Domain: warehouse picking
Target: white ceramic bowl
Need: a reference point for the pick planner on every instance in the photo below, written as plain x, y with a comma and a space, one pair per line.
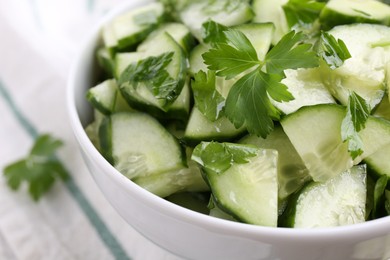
194, 235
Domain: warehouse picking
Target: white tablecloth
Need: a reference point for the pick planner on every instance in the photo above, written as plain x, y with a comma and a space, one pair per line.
38, 42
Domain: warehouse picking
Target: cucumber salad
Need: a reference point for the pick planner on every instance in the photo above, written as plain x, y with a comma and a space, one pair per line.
267, 112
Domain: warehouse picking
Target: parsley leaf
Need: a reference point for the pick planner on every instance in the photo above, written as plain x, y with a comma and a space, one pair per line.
334, 52
357, 114
207, 99
289, 53
248, 100
213, 32
152, 72
39, 168
232, 58
302, 12
219, 157
248, 103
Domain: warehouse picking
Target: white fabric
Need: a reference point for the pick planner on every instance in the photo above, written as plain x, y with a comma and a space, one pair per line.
38, 42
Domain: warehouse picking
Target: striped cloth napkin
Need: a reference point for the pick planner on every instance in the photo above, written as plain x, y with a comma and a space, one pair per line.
38, 42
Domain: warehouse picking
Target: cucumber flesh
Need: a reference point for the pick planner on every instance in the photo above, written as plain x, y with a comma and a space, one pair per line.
225, 12
292, 172
138, 95
248, 191
315, 133
107, 98
138, 145
179, 32
199, 128
130, 28
338, 12
378, 162
307, 89
271, 11
339, 201
364, 72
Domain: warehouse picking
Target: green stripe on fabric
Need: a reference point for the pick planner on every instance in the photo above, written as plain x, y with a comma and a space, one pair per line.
106, 236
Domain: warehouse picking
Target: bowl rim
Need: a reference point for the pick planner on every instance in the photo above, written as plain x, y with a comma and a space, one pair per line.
361, 231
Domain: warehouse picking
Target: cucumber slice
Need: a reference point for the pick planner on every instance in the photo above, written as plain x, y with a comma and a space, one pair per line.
338, 12
271, 11
179, 32
199, 128
92, 130
170, 182
364, 72
307, 89
339, 201
128, 29
245, 187
378, 162
124, 59
315, 132
105, 61
196, 59
292, 172
383, 109
260, 35
138, 145
226, 12
138, 95
106, 98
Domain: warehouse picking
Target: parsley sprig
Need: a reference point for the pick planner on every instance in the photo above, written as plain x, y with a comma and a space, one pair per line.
233, 55
357, 114
152, 72
333, 52
219, 157
207, 98
39, 169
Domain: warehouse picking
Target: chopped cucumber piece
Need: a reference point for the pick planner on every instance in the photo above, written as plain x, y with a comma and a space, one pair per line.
170, 182
226, 12
130, 28
105, 61
196, 59
307, 89
138, 94
138, 145
244, 186
339, 201
292, 172
338, 12
260, 35
379, 162
271, 11
315, 132
199, 128
364, 72
179, 32
106, 98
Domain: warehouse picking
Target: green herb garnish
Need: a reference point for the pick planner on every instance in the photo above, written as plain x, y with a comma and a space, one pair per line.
219, 157
207, 98
39, 169
357, 114
333, 52
152, 72
302, 13
248, 101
